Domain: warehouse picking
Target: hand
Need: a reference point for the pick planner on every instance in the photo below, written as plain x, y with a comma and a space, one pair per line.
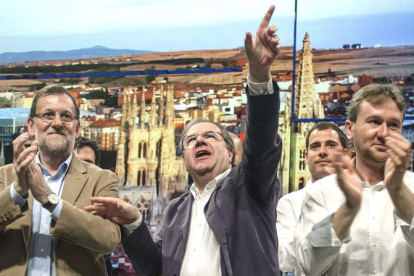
262, 49
348, 181
114, 209
22, 157
37, 184
398, 161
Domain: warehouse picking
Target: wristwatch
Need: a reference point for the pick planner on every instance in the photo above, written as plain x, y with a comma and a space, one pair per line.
53, 200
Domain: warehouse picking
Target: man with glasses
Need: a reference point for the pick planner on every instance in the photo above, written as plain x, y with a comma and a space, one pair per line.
226, 223
43, 229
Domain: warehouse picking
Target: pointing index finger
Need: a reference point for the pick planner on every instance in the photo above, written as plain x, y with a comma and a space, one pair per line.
267, 17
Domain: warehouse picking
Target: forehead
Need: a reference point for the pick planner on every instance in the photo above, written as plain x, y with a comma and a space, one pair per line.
86, 151
387, 110
321, 136
56, 102
202, 127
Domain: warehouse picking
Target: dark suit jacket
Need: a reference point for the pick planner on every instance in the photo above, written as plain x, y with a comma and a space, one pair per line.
81, 238
241, 211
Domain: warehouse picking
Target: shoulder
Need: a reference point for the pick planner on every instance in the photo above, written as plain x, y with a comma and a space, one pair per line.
326, 187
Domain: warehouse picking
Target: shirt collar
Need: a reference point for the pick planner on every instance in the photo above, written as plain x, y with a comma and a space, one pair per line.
377, 187
208, 190
63, 168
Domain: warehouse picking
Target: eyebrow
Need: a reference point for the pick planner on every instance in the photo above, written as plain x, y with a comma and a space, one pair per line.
51, 110
393, 120
327, 141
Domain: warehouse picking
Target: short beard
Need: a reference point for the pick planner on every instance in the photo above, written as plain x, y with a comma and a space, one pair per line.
62, 149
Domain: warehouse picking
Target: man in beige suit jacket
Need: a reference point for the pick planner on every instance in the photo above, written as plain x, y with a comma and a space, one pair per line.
43, 228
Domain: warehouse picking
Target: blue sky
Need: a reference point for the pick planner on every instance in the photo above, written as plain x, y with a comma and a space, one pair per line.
161, 25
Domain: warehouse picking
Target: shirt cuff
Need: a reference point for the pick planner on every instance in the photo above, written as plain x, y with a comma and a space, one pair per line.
323, 235
18, 200
260, 88
58, 209
127, 229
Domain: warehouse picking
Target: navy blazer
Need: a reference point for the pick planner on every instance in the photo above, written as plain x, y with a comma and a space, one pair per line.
241, 211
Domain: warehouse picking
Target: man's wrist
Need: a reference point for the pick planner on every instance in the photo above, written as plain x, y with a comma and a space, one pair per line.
20, 190
50, 201
395, 190
259, 74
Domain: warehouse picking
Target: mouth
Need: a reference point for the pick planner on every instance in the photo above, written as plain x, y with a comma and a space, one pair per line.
381, 147
323, 162
56, 133
202, 153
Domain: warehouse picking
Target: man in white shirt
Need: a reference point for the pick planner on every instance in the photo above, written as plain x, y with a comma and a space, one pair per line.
360, 221
322, 141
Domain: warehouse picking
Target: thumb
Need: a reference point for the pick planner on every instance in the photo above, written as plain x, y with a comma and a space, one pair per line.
120, 206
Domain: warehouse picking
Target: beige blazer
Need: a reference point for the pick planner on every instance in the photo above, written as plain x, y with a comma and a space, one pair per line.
81, 239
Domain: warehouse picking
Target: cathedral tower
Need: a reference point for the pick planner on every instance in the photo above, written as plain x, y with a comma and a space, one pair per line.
307, 106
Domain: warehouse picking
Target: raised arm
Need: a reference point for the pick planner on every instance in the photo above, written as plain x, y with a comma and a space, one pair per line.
402, 197
10, 210
262, 148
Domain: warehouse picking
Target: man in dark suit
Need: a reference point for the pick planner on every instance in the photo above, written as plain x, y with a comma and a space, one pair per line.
226, 223
43, 229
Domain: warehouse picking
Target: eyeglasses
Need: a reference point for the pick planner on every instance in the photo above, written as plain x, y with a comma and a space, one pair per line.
190, 140
48, 117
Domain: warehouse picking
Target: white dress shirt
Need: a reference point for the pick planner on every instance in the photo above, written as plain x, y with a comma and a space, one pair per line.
288, 213
202, 254
379, 242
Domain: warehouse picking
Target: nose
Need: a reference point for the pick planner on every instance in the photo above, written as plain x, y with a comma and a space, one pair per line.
383, 130
322, 151
57, 122
200, 139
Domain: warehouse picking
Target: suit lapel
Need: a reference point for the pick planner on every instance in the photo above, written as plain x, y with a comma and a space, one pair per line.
74, 181
184, 212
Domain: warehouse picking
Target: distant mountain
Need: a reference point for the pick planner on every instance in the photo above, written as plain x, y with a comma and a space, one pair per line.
85, 53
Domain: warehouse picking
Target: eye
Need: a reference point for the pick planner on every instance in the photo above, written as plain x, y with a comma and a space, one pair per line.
66, 117
374, 122
393, 126
191, 138
332, 145
210, 135
48, 115
314, 146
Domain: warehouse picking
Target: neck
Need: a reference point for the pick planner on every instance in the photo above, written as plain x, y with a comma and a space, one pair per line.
370, 173
52, 163
201, 181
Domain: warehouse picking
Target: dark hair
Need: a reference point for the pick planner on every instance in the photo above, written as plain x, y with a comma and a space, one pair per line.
375, 94
82, 142
328, 125
224, 132
52, 90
